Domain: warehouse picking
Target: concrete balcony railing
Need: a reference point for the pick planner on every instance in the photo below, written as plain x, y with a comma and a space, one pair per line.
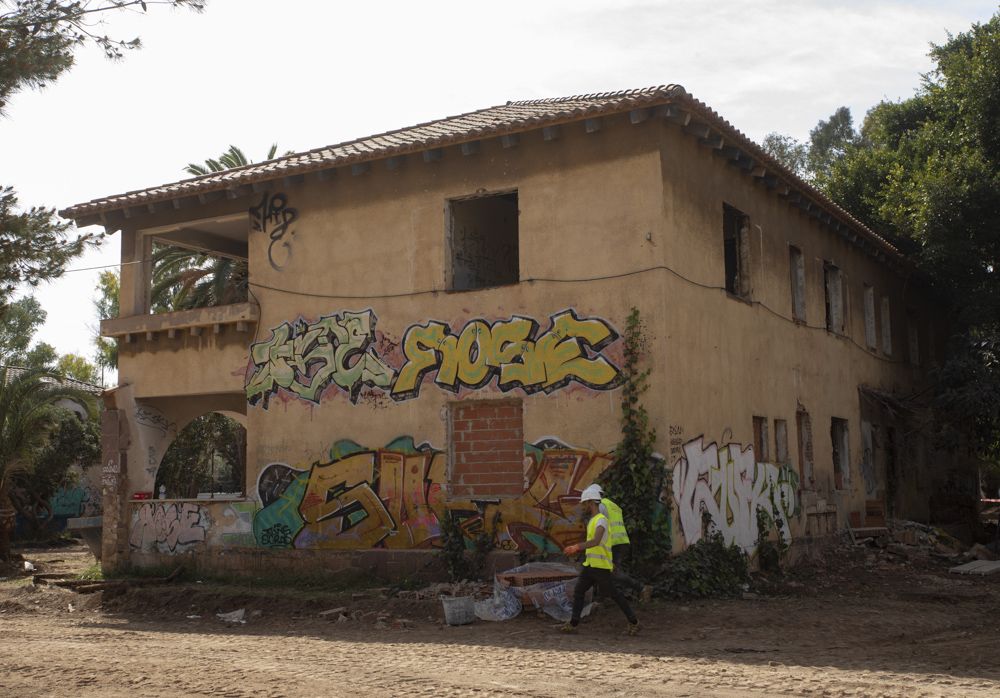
193, 322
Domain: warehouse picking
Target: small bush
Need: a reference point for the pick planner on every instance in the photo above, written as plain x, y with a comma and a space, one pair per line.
707, 568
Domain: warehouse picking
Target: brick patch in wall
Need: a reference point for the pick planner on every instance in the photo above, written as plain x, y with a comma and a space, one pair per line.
486, 448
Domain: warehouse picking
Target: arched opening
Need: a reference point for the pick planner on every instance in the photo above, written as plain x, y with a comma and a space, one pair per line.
206, 460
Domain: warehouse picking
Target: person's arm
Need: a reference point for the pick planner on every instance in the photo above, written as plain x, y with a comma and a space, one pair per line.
596, 540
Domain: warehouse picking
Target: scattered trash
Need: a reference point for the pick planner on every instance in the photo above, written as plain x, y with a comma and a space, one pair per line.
237, 616
548, 586
71, 608
193, 617
342, 618
458, 610
977, 567
28, 567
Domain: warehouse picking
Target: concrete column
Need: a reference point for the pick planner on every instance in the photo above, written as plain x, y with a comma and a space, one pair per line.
114, 538
136, 271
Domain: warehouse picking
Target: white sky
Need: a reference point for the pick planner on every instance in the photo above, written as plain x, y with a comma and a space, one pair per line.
308, 73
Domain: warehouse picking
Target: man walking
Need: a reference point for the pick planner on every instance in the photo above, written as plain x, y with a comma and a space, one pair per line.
597, 565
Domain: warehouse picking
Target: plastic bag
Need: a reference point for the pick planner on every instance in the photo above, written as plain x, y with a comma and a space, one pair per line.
554, 598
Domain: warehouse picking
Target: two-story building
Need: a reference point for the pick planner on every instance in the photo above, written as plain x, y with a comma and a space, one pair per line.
434, 324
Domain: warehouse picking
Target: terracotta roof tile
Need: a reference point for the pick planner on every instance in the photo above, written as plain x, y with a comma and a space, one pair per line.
499, 120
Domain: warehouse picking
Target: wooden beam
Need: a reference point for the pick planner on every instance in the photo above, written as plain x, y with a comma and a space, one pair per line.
84, 221
359, 168
592, 125
242, 326
293, 180
172, 332
327, 174
394, 163
195, 331
510, 140
217, 328
238, 191
470, 148
208, 197
677, 115
698, 129
433, 155
714, 141
758, 172
176, 203
129, 338
637, 116
260, 187
550, 133
150, 336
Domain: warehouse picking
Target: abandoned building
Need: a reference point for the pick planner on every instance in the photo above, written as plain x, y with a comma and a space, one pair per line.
433, 322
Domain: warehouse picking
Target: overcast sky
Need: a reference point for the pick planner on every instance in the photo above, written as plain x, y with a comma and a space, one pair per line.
308, 73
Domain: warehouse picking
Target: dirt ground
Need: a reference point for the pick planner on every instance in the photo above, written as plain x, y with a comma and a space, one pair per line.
853, 625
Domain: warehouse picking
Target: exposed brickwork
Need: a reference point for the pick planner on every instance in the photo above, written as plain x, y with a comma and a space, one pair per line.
487, 448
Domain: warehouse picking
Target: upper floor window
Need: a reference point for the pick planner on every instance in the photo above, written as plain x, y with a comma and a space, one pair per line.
870, 335
736, 249
886, 327
833, 283
797, 271
483, 242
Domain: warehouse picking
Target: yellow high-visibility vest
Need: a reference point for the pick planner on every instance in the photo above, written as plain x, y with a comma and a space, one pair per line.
599, 556
619, 535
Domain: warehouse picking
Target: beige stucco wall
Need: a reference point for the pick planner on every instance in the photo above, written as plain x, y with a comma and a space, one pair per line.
632, 201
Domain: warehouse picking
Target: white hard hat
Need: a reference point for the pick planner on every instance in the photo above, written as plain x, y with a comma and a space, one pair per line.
591, 494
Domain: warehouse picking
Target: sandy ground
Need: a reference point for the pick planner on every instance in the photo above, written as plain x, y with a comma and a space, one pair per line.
869, 629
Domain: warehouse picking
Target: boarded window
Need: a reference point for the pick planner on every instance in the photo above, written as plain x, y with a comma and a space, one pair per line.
736, 248
781, 442
833, 284
486, 448
841, 454
804, 427
886, 327
760, 440
871, 340
484, 242
797, 272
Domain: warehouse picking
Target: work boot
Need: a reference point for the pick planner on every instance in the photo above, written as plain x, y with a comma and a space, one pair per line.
568, 628
647, 593
633, 629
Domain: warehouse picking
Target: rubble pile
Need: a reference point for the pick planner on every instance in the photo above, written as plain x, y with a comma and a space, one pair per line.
910, 540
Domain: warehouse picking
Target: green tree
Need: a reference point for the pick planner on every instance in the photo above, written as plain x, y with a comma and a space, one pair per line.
27, 416
74, 440
17, 327
208, 455
183, 278
42, 355
106, 305
38, 38
788, 151
926, 172
829, 141
78, 368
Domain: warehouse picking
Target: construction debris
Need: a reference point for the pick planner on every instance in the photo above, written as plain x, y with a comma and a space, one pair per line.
977, 567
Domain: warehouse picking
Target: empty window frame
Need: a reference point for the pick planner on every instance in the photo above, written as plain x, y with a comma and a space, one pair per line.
871, 336
736, 249
760, 440
833, 283
803, 425
886, 327
483, 237
781, 442
797, 272
841, 453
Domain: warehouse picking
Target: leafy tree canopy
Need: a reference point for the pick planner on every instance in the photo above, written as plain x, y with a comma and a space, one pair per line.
78, 368
106, 305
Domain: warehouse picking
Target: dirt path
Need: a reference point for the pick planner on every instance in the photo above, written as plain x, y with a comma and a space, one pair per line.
918, 634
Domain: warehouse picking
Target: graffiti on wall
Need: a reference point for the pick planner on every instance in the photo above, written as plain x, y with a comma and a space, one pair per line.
394, 497
274, 216
75, 501
303, 359
729, 485
168, 528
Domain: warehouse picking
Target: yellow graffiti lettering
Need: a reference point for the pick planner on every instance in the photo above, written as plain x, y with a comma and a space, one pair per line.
420, 346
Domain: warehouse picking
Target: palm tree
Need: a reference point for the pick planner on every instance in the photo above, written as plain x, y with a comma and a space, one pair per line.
28, 414
184, 279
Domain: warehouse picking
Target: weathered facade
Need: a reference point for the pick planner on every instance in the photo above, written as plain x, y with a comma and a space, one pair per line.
434, 324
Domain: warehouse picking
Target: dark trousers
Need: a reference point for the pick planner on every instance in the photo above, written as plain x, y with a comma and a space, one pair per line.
603, 580
618, 554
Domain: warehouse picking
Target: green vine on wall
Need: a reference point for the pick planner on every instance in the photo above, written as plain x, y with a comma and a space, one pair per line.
635, 478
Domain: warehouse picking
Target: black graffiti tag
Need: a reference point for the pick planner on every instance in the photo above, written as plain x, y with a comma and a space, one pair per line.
274, 216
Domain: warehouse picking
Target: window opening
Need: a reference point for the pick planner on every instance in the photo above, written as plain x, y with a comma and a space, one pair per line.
781, 442
206, 460
797, 270
760, 440
834, 286
803, 425
841, 457
871, 340
484, 242
886, 327
736, 249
